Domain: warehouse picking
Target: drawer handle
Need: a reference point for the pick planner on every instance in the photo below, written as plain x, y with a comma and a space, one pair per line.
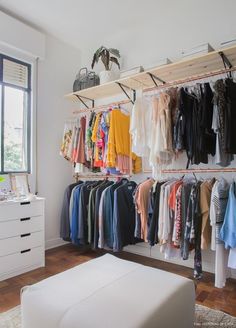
25, 203
25, 251
25, 219
25, 235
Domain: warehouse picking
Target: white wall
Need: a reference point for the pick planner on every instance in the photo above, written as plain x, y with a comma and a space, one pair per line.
148, 32
57, 66
155, 29
164, 29
55, 78
19, 36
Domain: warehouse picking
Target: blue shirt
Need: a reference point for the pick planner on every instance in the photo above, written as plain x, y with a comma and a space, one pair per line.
75, 215
228, 230
108, 207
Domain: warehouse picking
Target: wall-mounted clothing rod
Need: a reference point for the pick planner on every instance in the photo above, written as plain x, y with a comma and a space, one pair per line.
101, 176
186, 171
195, 78
102, 107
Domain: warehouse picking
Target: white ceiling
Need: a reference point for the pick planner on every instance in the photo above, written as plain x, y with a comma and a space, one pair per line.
78, 21
143, 30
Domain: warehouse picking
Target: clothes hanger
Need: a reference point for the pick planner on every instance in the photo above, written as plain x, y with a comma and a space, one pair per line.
195, 176
123, 109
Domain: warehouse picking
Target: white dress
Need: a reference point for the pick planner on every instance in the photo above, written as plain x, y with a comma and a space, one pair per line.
217, 209
140, 121
232, 258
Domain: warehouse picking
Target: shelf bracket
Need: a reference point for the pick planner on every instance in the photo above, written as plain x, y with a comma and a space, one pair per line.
154, 78
226, 61
83, 102
123, 87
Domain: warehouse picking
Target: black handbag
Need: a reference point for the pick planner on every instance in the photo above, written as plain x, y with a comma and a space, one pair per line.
85, 79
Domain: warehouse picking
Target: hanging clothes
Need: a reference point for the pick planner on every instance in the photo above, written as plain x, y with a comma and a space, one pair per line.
154, 222
65, 212
140, 127
89, 143
119, 148
124, 216
198, 120
193, 228
228, 229
91, 210
142, 201
108, 213
99, 191
219, 199
98, 140
230, 140
75, 213
176, 212
101, 143
161, 151
181, 215
219, 124
208, 136
205, 199
67, 141
80, 156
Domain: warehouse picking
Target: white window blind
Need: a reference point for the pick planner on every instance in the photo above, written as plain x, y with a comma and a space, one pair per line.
15, 73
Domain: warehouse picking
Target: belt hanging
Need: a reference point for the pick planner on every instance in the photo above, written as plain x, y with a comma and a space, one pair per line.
187, 165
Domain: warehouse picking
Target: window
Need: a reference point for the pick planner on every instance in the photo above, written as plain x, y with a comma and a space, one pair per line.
15, 115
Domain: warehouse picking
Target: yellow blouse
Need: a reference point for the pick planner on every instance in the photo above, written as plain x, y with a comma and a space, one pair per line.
119, 140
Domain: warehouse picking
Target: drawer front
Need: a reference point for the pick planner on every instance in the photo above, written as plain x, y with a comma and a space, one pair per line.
18, 227
21, 243
19, 260
17, 210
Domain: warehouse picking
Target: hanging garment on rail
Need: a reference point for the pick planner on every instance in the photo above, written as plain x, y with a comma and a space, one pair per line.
161, 151
153, 229
140, 127
187, 216
230, 140
65, 212
101, 142
119, 148
100, 213
69, 135
106, 236
228, 229
124, 216
183, 216
199, 120
219, 199
80, 156
96, 212
205, 200
142, 196
75, 213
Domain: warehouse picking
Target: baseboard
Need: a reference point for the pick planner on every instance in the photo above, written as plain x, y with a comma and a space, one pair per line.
17, 272
52, 243
208, 258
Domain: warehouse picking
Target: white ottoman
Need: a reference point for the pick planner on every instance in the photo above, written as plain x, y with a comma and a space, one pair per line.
109, 293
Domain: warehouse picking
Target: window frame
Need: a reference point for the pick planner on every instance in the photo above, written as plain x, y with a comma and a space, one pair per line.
28, 90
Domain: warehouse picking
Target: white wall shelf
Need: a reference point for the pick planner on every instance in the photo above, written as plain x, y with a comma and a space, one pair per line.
192, 68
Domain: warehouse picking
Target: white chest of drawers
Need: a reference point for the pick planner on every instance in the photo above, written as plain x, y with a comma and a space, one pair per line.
22, 241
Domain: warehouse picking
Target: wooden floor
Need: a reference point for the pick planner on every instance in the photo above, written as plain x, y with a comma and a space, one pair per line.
66, 257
